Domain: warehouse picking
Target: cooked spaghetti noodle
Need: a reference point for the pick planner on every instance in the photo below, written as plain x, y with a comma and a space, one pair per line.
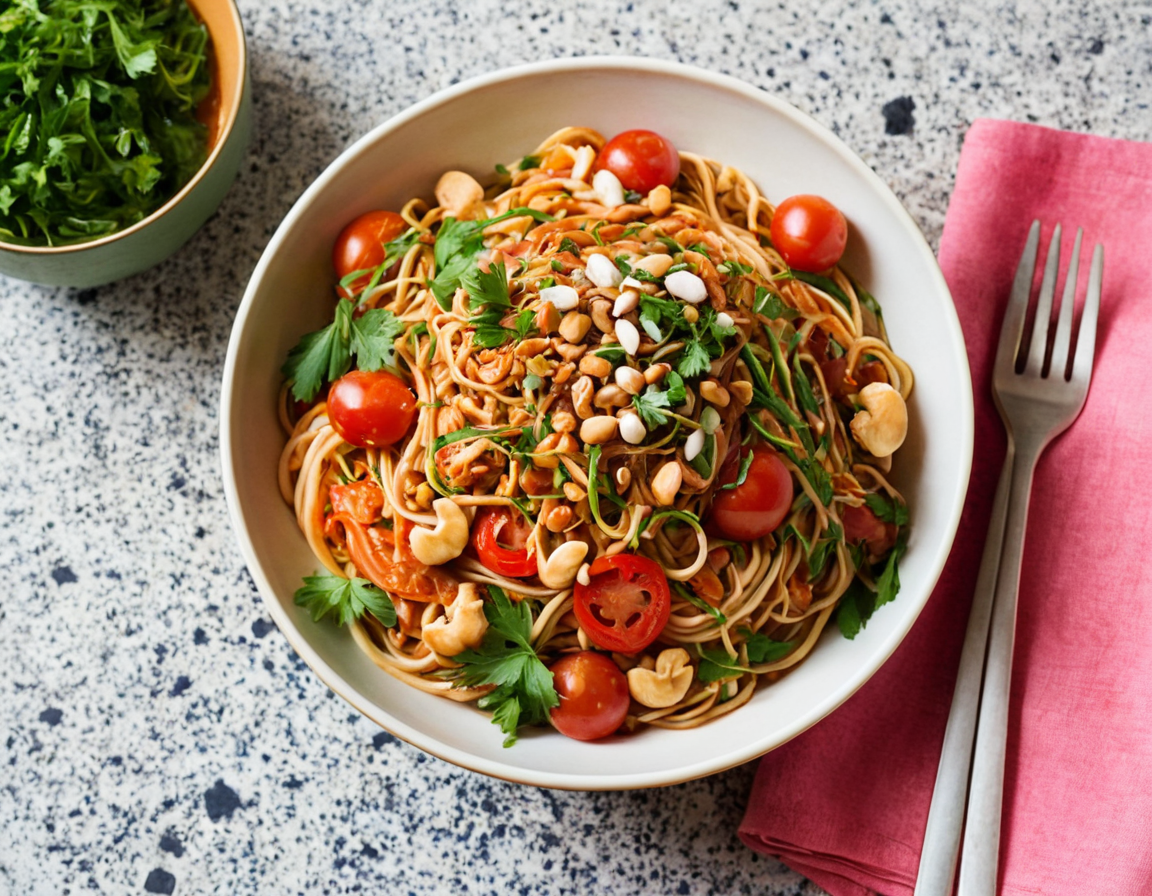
596, 409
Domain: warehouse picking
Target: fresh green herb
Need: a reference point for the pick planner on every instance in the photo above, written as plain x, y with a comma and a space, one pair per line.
867, 300
596, 232
502, 170
762, 649
556, 264
623, 266
674, 389
717, 665
888, 585
858, 603
699, 603
524, 693
346, 599
98, 114
822, 550
682, 266
567, 245
632, 196
694, 360
652, 407
818, 477
393, 252
529, 162
887, 510
457, 245
733, 268
804, 393
772, 306
532, 382
745, 464
825, 284
672, 245
327, 354
488, 299
545, 283
525, 324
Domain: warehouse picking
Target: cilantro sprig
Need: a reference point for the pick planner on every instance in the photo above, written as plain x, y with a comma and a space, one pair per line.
524, 694
327, 354
859, 602
346, 599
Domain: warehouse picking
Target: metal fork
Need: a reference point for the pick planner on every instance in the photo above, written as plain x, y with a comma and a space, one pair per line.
1036, 404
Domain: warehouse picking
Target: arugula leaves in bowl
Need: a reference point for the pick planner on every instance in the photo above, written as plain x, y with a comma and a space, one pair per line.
98, 125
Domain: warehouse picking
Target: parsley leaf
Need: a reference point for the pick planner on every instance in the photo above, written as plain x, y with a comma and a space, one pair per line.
762, 649
567, 245
529, 162
717, 665
888, 584
694, 360
733, 268
855, 609
327, 354
524, 693
887, 510
346, 599
772, 306
649, 406
489, 301
822, 550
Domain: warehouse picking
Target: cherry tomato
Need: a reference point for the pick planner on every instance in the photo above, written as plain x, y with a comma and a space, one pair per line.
500, 536
755, 508
360, 246
593, 695
626, 603
641, 159
809, 233
862, 525
371, 409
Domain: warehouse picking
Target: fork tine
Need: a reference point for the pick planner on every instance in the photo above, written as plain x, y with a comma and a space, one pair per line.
1059, 364
1086, 337
1012, 330
1043, 319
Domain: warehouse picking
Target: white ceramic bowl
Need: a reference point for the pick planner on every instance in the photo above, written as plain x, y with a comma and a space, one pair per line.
492, 119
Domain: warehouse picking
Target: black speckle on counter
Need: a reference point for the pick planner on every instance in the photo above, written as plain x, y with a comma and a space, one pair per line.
382, 739
169, 843
898, 117
63, 575
52, 716
220, 801
261, 627
179, 686
160, 881
1096, 46
199, 636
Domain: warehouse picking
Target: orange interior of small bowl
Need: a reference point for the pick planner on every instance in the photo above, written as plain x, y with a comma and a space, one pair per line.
228, 58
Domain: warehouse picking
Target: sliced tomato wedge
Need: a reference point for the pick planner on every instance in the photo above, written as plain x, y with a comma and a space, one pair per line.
384, 557
625, 604
500, 537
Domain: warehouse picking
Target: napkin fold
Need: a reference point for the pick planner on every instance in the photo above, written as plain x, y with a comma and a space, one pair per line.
846, 803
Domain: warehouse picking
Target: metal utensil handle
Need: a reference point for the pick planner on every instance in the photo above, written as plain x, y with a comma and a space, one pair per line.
946, 814
980, 861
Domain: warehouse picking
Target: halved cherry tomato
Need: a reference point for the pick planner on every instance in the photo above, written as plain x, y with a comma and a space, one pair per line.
363, 501
641, 160
371, 408
593, 695
756, 507
384, 557
809, 232
500, 536
360, 245
862, 525
626, 603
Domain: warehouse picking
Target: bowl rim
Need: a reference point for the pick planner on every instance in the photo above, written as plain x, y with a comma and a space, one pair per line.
217, 148
506, 771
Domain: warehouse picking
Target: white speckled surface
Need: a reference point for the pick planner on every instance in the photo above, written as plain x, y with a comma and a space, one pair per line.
157, 733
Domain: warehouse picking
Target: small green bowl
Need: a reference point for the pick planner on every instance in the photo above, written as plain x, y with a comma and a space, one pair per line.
150, 241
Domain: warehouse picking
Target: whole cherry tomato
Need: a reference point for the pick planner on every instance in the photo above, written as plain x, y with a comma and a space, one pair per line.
593, 695
641, 160
625, 604
371, 408
757, 506
809, 232
500, 536
360, 245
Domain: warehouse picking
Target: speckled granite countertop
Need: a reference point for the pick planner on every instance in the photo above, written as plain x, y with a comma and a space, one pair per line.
157, 733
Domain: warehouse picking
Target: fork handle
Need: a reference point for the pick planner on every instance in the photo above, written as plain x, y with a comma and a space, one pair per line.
979, 863
946, 814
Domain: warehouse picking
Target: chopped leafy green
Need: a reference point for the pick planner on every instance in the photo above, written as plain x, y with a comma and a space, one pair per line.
855, 609
823, 548
98, 114
772, 306
745, 464
699, 602
488, 299
888, 584
346, 599
733, 268
717, 665
651, 407
762, 649
529, 162
524, 693
567, 245
887, 510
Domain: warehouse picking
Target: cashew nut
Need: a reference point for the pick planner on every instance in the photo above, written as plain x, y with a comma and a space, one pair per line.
462, 627
559, 569
883, 424
444, 542
457, 192
665, 685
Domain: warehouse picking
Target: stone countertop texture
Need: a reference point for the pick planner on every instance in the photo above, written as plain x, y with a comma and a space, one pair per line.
157, 732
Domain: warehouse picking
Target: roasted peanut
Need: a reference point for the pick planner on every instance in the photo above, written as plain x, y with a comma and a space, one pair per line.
712, 392
660, 200
598, 430
574, 492
656, 265
594, 365
656, 372
570, 352
562, 422
531, 347
741, 390
883, 424
666, 483
574, 326
611, 396
602, 316
563, 373
630, 380
582, 391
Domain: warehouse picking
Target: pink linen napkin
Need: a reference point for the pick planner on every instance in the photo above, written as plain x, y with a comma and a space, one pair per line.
846, 802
